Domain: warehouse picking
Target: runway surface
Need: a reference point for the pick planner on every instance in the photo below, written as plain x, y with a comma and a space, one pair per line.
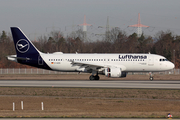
93, 84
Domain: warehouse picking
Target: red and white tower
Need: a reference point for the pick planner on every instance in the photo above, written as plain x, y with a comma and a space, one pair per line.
85, 28
85, 24
139, 26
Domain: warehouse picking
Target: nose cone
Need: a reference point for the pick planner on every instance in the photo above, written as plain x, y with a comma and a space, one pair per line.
171, 65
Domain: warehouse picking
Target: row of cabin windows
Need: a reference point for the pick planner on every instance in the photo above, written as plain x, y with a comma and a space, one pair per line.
55, 60
97, 59
78, 59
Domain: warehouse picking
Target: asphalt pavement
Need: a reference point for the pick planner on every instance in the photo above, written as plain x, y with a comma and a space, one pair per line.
92, 84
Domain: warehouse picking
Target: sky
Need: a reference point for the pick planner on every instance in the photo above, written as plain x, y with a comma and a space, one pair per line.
40, 17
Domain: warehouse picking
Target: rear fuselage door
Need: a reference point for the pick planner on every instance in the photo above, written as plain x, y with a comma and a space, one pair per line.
40, 60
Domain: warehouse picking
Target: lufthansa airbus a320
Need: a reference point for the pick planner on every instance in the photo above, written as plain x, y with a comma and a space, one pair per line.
110, 65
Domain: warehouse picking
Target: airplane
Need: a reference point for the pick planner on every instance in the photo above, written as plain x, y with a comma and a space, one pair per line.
110, 65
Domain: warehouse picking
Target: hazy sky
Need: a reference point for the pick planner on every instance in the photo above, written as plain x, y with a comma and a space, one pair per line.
39, 16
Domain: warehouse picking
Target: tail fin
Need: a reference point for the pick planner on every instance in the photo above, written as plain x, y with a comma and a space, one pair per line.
24, 47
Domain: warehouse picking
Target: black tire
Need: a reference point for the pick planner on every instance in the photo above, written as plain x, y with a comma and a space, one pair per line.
91, 77
151, 78
96, 77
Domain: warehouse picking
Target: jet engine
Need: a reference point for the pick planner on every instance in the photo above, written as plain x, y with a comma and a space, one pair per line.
114, 72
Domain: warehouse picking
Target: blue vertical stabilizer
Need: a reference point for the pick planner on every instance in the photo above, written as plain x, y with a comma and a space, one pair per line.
27, 53
23, 46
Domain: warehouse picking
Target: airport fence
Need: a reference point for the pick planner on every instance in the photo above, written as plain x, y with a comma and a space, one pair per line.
42, 71
30, 71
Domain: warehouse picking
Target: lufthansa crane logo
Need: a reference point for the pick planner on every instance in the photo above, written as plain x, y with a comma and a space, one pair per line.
22, 45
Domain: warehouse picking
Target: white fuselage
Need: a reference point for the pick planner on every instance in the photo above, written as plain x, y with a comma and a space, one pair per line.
127, 62
111, 65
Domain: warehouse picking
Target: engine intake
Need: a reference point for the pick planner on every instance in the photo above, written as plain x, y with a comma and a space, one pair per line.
114, 72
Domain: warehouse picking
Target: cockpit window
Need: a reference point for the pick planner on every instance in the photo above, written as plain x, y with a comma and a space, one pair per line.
163, 60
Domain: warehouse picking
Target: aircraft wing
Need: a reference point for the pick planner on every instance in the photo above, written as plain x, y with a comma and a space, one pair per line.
95, 66
88, 65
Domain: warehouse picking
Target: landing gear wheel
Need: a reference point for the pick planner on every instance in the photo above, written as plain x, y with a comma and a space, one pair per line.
96, 77
91, 77
151, 78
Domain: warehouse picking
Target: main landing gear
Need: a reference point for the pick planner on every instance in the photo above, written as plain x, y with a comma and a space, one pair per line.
151, 76
92, 77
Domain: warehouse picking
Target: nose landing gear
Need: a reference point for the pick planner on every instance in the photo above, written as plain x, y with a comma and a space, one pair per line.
151, 76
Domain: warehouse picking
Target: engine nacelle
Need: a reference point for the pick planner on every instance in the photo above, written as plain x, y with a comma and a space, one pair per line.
114, 72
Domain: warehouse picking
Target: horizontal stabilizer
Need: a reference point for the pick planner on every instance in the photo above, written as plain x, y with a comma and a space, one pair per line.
15, 58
